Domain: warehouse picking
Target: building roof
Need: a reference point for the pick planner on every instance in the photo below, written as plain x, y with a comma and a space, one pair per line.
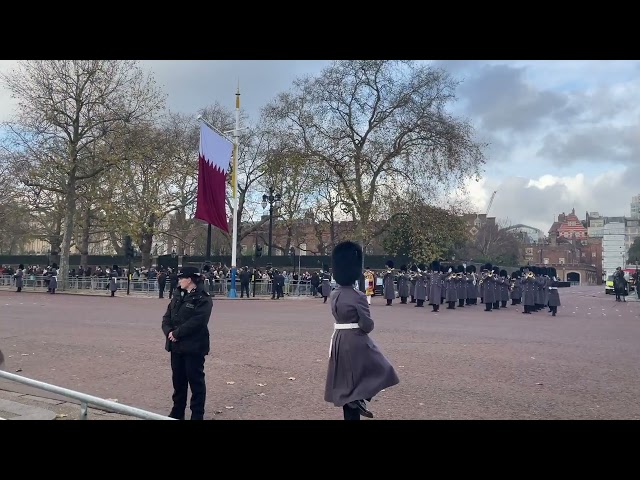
554, 227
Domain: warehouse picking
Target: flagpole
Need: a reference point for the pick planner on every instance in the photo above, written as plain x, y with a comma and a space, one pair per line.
234, 182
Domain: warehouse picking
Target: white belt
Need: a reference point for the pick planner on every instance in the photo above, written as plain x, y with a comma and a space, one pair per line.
341, 326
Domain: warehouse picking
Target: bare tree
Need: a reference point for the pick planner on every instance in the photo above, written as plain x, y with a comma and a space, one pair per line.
493, 243
375, 123
68, 106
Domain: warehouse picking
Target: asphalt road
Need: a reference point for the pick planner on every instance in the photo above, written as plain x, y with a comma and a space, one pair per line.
269, 358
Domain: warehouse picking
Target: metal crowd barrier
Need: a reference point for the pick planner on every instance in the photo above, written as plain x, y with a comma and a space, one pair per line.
149, 287
85, 400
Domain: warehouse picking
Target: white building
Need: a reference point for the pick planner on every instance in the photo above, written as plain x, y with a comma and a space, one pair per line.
614, 249
635, 207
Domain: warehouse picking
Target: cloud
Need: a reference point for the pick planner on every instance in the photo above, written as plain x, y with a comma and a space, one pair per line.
538, 201
501, 98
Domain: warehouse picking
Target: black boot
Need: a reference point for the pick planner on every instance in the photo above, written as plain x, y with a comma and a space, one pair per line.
389, 301
504, 304
403, 300
461, 302
361, 407
452, 306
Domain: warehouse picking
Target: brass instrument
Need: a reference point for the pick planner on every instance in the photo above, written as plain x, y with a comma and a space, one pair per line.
530, 275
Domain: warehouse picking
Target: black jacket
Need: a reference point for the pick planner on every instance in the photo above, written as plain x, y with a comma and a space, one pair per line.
187, 316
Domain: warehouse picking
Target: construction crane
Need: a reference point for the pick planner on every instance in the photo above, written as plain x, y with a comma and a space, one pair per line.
490, 202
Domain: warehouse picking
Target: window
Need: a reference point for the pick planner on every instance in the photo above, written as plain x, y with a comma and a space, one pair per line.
593, 254
529, 251
303, 249
560, 261
545, 261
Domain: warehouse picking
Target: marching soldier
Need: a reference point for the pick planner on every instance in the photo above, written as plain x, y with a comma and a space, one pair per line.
504, 288
357, 369
421, 288
451, 289
387, 284
53, 278
554, 295
403, 284
472, 287
113, 280
412, 287
461, 286
488, 287
435, 285
528, 290
516, 289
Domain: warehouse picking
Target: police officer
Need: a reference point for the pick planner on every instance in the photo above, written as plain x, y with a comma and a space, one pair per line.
187, 338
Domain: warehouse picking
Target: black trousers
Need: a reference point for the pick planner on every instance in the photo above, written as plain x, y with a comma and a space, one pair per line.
188, 370
350, 413
244, 287
161, 290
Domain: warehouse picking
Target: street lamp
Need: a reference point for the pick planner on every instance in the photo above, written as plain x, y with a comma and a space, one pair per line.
175, 258
274, 200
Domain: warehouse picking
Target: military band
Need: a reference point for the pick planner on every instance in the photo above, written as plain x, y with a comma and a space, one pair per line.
460, 286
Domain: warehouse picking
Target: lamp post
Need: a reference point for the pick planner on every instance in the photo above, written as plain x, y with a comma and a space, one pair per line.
273, 200
174, 256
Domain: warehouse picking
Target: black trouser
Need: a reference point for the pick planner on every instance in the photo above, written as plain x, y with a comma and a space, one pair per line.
188, 370
452, 305
389, 301
504, 303
350, 413
436, 307
488, 307
314, 290
161, 290
527, 309
413, 299
554, 310
496, 305
403, 299
19, 289
113, 293
244, 287
419, 303
461, 302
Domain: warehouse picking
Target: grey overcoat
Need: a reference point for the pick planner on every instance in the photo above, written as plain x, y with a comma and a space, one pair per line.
357, 368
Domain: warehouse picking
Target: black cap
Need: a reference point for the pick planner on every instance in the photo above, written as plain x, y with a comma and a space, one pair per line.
186, 272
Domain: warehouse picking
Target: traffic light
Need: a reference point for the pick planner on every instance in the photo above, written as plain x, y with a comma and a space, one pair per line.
258, 250
128, 247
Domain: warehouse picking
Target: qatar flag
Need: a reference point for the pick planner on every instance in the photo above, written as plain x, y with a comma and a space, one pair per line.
213, 164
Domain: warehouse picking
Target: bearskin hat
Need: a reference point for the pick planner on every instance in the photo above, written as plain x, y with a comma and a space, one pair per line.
325, 267
435, 266
444, 268
515, 274
403, 268
552, 272
414, 268
389, 263
487, 267
496, 270
21, 267
471, 269
503, 273
422, 266
346, 260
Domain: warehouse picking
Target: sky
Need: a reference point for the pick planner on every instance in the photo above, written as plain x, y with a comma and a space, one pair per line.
561, 134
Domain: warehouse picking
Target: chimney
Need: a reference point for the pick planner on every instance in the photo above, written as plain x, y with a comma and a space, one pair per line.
553, 238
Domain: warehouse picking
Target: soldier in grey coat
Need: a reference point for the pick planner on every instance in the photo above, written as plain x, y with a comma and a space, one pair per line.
357, 369
488, 287
19, 277
528, 283
554, 295
387, 283
436, 279
404, 282
421, 285
516, 289
504, 288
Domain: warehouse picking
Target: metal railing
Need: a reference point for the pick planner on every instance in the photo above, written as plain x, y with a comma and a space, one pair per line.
85, 400
149, 287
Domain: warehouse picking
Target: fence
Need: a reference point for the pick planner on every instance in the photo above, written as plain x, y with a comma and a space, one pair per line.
85, 400
149, 287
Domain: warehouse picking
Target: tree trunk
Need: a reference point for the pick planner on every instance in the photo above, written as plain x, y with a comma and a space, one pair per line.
70, 212
145, 249
114, 243
84, 242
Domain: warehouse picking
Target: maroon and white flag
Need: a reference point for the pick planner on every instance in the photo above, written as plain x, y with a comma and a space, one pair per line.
213, 164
